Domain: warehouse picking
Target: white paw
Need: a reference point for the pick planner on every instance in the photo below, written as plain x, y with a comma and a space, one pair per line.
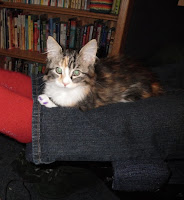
45, 101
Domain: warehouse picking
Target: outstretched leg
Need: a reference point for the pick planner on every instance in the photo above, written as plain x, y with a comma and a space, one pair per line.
16, 106
16, 82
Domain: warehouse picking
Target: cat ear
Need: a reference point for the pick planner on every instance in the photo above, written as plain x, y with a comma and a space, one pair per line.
53, 48
88, 52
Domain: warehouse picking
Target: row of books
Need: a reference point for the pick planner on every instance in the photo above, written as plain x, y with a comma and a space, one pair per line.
75, 4
30, 32
26, 67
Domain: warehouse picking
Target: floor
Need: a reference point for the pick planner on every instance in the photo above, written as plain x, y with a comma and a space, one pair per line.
21, 180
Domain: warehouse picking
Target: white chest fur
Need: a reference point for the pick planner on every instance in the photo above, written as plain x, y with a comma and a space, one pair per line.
64, 96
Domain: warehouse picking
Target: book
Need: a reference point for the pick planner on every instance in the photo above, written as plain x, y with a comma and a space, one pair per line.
72, 4
10, 29
103, 42
113, 7
79, 5
5, 29
29, 32
1, 29
55, 22
53, 2
43, 20
38, 34
26, 33
116, 11
111, 41
60, 3
45, 2
94, 36
68, 34
23, 31
63, 31
51, 27
84, 35
98, 32
32, 35
35, 35
66, 3
86, 4
78, 34
57, 27
19, 32
72, 38
25, 68
87, 34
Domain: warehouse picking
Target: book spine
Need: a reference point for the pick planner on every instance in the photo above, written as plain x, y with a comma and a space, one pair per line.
111, 40
12, 33
60, 3
51, 26
5, 28
84, 35
91, 32
72, 34
31, 35
9, 32
26, 33
44, 36
35, 35
1, 30
94, 36
113, 7
38, 45
54, 30
79, 4
25, 68
82, 4
72, 4
29, 32
15, 32
23, 32
68, 34
19, 32
66, 3
41, 36
98, 36
58, 32
116, 12
53, 3
63, 32
87, 34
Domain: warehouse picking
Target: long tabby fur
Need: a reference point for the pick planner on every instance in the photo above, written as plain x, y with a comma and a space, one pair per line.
80, 79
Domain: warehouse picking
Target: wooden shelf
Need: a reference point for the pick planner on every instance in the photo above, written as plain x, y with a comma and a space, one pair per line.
58, 10
181, 3
26, 55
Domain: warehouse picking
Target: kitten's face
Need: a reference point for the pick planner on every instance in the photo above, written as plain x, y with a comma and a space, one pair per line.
70, 69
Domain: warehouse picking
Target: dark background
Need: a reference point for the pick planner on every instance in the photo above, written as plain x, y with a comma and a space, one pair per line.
154, 25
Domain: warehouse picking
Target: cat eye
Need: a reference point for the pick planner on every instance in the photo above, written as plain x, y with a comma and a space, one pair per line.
76, 73
59, 70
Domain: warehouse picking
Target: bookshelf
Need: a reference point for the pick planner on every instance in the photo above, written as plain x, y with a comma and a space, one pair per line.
120, 23
24, 54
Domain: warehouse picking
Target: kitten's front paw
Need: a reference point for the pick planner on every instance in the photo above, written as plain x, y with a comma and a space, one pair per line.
45, 101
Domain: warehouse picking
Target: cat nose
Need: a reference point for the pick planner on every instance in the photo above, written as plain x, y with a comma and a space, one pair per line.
65, 83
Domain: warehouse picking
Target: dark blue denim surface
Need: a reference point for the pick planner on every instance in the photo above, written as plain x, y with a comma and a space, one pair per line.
147, 131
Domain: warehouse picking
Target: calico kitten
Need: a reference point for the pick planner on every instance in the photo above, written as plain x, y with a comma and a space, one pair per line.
81, 80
